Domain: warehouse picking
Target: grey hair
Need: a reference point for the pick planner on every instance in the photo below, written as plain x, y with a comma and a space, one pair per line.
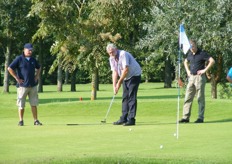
110, 45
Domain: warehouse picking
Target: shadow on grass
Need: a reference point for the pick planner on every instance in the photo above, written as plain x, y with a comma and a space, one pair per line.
157, 88
84, 124
154, 123
137, 124
54, 91
158, 97
220, 121
57, 100
167, 123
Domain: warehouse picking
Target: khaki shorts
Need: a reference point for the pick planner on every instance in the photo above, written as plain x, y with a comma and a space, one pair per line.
23, 92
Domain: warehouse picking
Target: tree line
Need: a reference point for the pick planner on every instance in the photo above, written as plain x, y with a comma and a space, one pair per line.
70, 37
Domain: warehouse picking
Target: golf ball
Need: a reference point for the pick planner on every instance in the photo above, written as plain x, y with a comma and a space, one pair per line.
130, 129
174, 134
161, 146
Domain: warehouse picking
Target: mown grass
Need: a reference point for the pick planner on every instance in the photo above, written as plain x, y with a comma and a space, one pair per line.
72, 131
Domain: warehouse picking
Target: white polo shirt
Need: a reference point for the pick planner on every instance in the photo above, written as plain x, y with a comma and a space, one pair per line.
125, 59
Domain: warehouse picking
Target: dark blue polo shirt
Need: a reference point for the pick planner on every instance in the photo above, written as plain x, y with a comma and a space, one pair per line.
25, 70
197, 61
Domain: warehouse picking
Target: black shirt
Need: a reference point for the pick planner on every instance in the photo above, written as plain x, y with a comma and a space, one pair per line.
197, 61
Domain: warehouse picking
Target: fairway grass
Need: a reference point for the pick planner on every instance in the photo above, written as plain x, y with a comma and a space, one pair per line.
72, 131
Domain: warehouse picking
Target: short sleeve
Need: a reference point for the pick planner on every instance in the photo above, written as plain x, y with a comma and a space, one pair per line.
230, 73
15, 63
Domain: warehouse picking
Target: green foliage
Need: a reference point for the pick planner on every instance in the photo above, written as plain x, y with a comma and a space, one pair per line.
152, 71
123, 17
15, 27
13, 18
83, 77
225, 91
56, 17
206, 21
76, 32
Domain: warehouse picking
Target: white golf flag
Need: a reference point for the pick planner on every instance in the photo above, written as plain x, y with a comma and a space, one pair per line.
183, 40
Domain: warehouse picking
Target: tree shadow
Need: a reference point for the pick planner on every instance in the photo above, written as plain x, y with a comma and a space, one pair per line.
154, 123
220, 121
84, 124
158, 97
137, 124
58, 100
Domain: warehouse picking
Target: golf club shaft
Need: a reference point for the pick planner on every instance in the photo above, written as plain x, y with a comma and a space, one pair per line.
109, 107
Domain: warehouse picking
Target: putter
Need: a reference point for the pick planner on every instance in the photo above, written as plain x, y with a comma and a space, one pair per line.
104, 121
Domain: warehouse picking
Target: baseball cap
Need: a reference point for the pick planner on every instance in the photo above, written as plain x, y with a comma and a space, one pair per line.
28, 46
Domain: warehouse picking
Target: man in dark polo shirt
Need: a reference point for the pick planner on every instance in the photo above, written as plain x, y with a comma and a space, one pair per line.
196, 64
23, 70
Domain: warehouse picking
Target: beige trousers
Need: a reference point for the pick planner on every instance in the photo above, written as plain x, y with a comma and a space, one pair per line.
196, 86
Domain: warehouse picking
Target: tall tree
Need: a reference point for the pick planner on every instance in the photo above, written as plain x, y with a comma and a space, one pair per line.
122, 17
117, 22
86, 21
61, 20
207, 21
16, 29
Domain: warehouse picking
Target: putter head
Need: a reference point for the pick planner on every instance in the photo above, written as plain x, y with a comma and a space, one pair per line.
103, 121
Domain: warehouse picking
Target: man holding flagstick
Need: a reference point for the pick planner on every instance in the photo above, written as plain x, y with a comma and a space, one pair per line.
196, 64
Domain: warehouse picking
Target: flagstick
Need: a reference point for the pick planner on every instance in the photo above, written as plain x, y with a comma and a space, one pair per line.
185, 46
178, 85
178, 102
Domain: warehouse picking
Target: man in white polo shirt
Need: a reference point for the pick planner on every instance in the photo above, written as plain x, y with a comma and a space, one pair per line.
125, 70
